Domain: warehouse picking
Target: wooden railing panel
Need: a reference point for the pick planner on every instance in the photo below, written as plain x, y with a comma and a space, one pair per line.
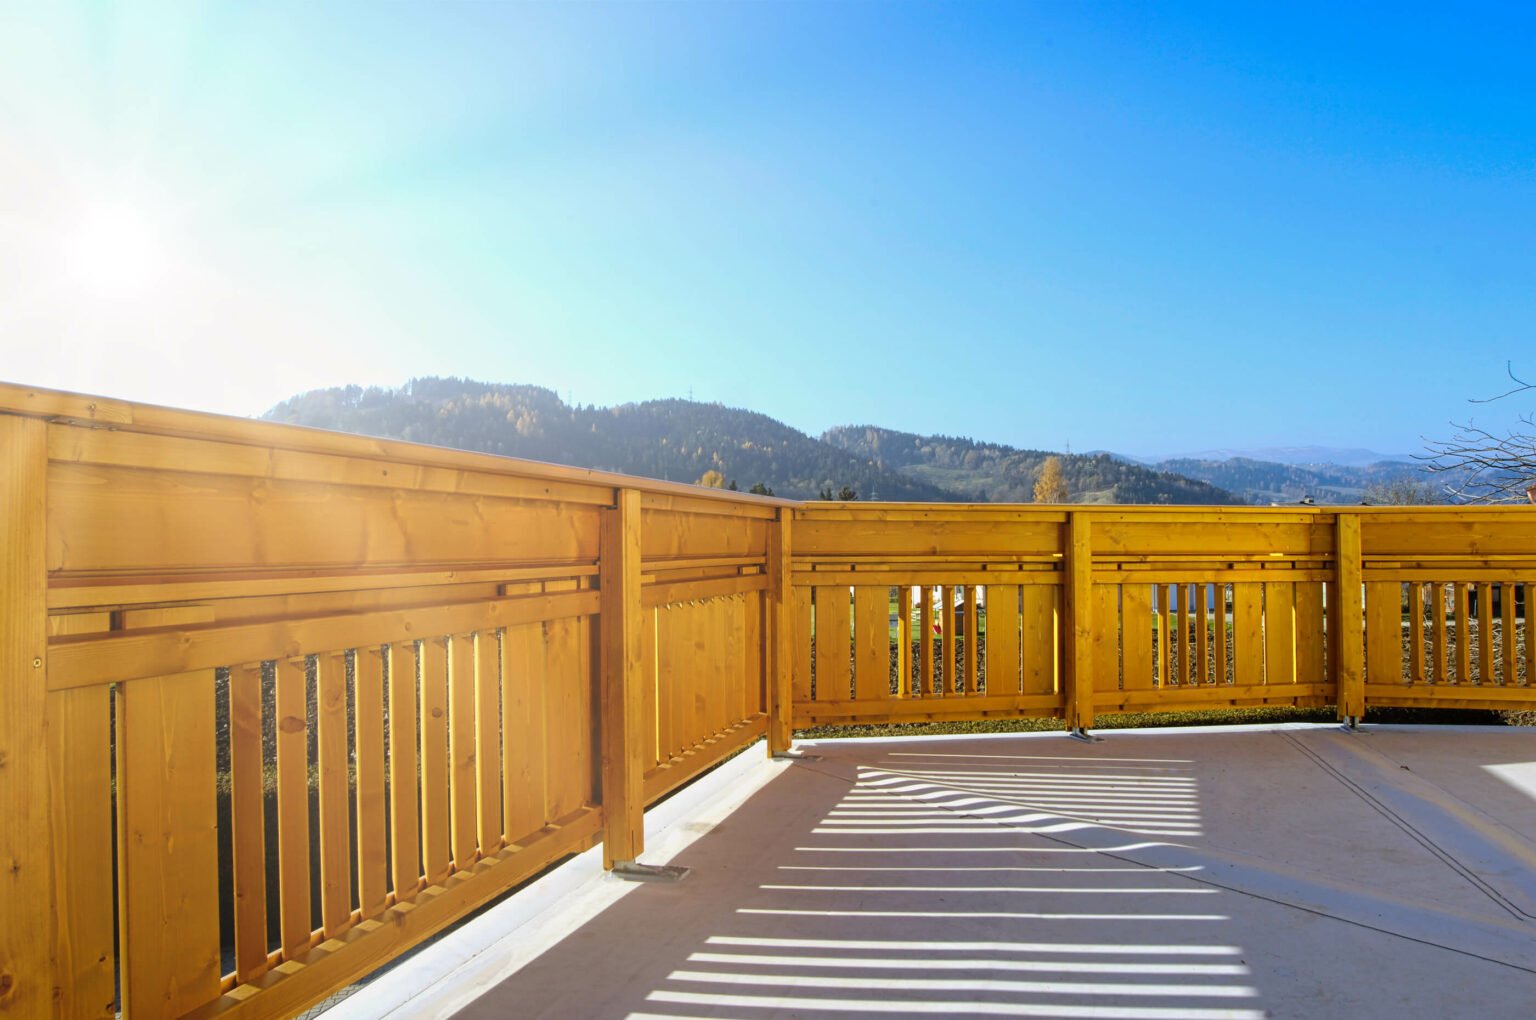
1003, 643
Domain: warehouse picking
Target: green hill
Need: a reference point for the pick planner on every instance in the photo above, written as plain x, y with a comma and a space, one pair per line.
991, 472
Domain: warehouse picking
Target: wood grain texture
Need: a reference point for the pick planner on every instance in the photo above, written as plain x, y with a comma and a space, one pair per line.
292, 726
247, 812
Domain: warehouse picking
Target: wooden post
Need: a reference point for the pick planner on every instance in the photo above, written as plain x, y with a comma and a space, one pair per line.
621, 724
1350, 646
780, 636
1079, 630
27, 934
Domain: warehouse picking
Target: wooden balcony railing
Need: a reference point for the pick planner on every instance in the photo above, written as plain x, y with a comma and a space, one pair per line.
277, 704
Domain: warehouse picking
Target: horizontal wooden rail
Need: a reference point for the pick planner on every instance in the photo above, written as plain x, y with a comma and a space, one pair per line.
320, 696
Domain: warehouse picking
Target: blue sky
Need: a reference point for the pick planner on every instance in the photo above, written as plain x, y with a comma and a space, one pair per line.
1147, 228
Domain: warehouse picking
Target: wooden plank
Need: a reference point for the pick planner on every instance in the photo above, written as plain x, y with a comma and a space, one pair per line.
1383, 632
801, 676
372, 835
1416, 632
1136, 636
671, 774
904, 640
29, 931
1208, 696
944, 638
80, 832
928, 575
290, 989
488, 795
1485, 641
45, 403
291, 705
1106, 637
1463, 614
168, 845
652, 714
463, 774
919, 710
1222, 632
1279, 632
872, 642
1310, 665
925, 687
972, 642
1248, 633
568, 667
686, 591
1530, 634
1041, 665
1078, 653
335, 835
780, 622
1440, 663
1164, 638
1509, 650
1203, 634
621, 706
1003, 643
247, 812
436, 821
1185, 672
525, 750
87, 660
404, 765
833, 633
1349, 650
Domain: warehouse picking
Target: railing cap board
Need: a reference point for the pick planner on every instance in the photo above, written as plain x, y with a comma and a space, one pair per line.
88, 410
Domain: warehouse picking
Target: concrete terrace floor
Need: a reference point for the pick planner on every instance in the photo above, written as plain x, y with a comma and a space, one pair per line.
1290, 871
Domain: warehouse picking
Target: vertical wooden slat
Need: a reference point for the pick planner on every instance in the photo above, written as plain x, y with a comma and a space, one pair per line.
435, 813
1416, 632
1463, 613
1164, 651
800, 677
488, 797
1186, 672
1508, 649
1485, 672
1136, 636
29, 931
1003, 643
1247, 632
753, 693
1349, 649
368, 706
1309, 633
621, 675
1078, 650
1383, 632
80, 790
525, 749
1106, 637
780, 620
168, 844
463, 775
1440, 663
904, 640
404, 763
925, 641
943, 639
247, 817
972, 640
833, 682
290, 704
1279, 632
1202, 609
1040, 667
1530, 635
335, 836
1219, 626
872, 642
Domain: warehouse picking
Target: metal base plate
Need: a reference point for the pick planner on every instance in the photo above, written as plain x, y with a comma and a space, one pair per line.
796, 756
633, 871
1084, 736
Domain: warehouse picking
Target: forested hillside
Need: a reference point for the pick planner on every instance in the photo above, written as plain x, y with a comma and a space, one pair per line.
677, 440
991, 472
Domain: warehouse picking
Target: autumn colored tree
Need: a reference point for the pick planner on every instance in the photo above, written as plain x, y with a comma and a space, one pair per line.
1051, 486
712, 479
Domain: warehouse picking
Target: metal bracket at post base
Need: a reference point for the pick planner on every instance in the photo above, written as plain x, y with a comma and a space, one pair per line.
1079, 733
793, 755
634, 871
1351, 724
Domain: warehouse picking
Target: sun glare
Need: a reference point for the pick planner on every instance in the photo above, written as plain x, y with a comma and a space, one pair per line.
114, 251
